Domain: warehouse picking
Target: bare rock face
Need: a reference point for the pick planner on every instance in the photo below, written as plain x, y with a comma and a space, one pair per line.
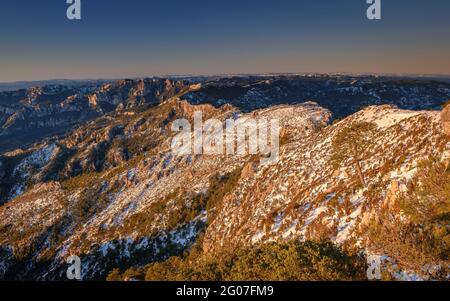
249, 170
445, 119
93, 101
392, 195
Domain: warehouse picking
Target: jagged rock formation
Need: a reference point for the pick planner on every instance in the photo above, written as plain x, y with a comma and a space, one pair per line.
112, 192
29, 115
32, 114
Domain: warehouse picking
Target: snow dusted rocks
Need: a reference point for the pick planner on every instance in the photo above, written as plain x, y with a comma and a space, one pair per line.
134, 200
304, 197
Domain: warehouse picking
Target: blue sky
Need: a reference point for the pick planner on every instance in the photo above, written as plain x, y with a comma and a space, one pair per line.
133, 38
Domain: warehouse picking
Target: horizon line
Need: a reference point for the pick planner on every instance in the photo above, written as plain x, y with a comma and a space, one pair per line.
388, 74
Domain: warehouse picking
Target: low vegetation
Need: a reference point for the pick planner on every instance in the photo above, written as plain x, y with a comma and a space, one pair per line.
416, 232
179, 208
219, 186
293, 261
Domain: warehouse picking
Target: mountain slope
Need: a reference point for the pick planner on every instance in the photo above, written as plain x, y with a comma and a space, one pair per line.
111, 191
30, 115
304, 196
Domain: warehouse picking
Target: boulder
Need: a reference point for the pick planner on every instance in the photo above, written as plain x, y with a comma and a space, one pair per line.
392, 195
249, 170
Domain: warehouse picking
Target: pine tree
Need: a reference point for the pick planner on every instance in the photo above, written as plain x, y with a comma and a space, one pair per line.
350, 143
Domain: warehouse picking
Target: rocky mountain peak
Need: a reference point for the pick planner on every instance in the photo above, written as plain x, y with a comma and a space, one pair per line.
111, 191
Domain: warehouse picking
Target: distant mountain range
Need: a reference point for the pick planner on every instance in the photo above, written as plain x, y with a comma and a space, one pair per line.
28, 115
11, 86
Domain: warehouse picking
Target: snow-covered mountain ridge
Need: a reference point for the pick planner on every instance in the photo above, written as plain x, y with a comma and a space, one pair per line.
111, 191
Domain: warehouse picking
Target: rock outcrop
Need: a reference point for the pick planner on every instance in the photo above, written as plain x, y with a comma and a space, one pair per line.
112, 192
445, 120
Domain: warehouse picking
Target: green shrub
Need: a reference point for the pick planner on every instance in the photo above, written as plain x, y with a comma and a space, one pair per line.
429, 200
303, 261
416, 231
219, 187
275, 261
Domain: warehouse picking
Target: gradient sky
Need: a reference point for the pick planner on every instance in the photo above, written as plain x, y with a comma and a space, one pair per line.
134, 38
